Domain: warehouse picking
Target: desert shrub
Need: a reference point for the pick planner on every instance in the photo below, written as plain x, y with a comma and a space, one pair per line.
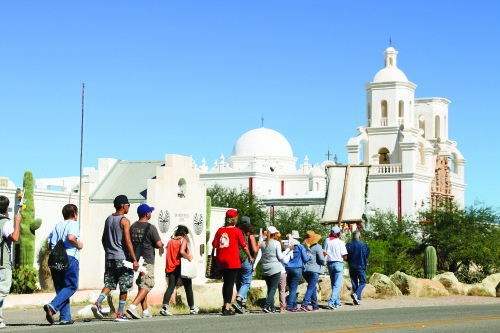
24, 280
470, 277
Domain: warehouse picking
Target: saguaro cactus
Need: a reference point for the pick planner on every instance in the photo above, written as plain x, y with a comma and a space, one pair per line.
430, 262
28, 224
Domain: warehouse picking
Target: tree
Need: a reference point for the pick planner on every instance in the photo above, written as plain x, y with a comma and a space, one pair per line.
464, 236
245, 203
394, 244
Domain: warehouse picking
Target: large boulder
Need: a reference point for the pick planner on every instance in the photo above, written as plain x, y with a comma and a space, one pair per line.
346, 289
408, 285
205, 297
493, 281
301, 292
430, 288
480, 289
384, 286
369, 291
324, 288
450, 282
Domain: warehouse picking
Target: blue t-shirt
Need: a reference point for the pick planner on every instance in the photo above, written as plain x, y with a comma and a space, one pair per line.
61, 231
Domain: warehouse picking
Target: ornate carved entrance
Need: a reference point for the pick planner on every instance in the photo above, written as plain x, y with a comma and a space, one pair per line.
441, 184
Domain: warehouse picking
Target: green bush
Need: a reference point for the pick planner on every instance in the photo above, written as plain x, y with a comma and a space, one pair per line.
24, 280
470, 277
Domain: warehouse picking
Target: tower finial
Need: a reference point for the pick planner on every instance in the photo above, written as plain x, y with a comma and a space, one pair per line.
390, 41
262, 121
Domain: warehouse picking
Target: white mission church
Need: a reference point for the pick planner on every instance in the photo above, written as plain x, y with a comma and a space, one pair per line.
405, 140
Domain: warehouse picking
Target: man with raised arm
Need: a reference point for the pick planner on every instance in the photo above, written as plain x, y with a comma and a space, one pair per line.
117, 244
10, 233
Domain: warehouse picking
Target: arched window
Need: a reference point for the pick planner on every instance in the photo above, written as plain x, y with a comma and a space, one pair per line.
401, 109
181, 188
369, 113
437, 125
383, 156
383, 107
421, 123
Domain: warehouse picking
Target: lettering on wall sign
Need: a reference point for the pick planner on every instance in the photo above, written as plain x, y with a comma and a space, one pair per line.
181, 217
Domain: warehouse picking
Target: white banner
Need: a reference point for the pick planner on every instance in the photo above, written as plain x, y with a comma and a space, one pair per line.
345, 197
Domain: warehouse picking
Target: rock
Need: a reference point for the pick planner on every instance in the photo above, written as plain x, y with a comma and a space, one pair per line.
369, 291
205, 297
450, 282
346, 289
481, 289
430, 288
493, 281
384, 286
257, 295
408, 285
324, 288
92, 298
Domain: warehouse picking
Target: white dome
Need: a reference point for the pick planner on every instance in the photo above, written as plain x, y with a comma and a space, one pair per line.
390, 74
262, 142
317, 172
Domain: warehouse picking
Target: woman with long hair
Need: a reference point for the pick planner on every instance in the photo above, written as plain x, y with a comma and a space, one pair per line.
228, 240
244, 278
271, 266
176, 248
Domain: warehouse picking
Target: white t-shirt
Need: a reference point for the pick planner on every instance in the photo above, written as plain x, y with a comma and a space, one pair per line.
335, 249
8, 229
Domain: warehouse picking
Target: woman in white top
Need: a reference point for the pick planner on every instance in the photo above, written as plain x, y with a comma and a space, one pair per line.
272, 255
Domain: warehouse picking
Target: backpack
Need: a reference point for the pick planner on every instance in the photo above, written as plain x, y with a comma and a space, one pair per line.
139, 247
58, 259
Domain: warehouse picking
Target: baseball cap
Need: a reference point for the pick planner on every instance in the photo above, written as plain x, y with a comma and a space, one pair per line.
336, 230
231, 213
121, 200
144, 209
245, 220
272, 230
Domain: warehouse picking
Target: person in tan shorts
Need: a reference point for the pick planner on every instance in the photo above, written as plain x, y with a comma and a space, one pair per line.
145, 238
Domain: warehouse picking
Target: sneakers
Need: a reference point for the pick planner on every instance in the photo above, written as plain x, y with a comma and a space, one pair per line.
49, 313
315, 309
121, 317
164, 312
194, 310
226, 312
148, 315
331, 307
293, 311
245, 309
96, 310
338, 306
359, 302
238, 306
2, 324
283, 310
66, 322
267, 310
133, 313
304, 308
354, 298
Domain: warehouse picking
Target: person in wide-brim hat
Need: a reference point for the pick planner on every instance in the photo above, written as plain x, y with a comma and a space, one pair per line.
312, 237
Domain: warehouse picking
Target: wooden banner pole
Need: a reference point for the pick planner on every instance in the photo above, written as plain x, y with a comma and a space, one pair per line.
343, 195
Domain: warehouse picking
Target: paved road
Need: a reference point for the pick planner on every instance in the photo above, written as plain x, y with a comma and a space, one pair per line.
456, 318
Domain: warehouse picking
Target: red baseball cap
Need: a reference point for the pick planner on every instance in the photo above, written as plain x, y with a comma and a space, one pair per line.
231, 213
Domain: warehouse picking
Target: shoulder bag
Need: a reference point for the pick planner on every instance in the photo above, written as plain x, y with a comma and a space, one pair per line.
188, 268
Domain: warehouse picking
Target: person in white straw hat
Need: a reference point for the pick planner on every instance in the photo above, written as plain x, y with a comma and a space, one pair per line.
336, 254
294, 269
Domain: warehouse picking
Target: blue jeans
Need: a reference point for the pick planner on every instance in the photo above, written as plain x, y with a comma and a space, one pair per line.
293, 276
65, 284
272, 285
312, 279
244, 280
358, 280
336, 269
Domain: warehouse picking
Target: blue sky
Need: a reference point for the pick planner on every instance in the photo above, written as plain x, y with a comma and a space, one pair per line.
190, 77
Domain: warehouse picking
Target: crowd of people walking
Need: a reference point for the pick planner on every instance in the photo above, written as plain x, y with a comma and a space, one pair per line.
237, 254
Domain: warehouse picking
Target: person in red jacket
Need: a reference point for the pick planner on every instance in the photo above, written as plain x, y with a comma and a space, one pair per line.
228, 241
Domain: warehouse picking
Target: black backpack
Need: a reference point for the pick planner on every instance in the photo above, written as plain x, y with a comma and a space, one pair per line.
58, 259
139, 247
